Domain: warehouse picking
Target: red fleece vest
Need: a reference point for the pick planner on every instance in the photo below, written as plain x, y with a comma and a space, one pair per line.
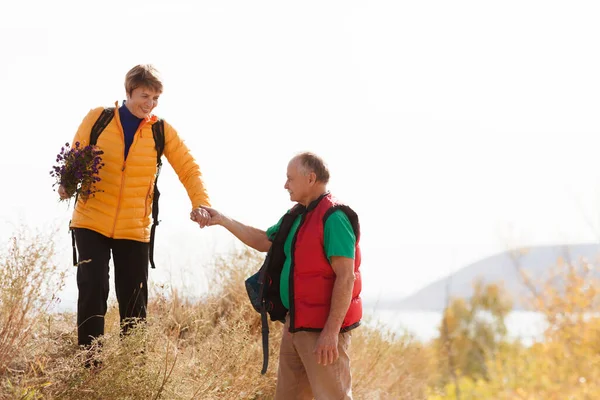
313, 278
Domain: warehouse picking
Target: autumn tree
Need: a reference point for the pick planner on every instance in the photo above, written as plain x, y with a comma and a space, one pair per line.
471, 332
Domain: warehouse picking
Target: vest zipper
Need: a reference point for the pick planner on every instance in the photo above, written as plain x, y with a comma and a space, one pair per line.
291, 277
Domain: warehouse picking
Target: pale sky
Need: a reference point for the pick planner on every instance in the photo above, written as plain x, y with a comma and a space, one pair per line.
452, 128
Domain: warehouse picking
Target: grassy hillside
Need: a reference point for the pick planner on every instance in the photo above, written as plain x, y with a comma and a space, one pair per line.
210, 349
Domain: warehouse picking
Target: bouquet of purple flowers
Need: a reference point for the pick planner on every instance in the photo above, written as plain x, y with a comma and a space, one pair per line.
77, 170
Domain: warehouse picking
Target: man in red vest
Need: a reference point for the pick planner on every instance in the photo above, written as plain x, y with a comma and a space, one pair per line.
319, 282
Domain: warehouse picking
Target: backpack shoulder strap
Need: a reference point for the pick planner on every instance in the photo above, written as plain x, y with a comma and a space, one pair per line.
101, 123
158, 132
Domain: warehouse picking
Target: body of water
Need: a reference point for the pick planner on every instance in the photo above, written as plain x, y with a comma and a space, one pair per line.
424, 325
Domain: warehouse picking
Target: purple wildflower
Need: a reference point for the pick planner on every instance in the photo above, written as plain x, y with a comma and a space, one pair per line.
77, 170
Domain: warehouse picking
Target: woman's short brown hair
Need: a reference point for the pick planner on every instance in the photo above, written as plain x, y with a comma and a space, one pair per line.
143, 75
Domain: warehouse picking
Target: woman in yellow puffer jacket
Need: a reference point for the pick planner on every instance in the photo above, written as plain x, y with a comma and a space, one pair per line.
117, 219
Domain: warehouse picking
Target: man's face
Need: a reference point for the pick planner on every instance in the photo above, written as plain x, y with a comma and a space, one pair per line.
142, 101
297, 183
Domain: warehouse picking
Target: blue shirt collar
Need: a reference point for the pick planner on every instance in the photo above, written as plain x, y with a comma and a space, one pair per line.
125, 113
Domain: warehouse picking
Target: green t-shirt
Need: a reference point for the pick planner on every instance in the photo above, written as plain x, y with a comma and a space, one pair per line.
339, 240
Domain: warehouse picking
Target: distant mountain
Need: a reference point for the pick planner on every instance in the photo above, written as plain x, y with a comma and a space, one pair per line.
536, 262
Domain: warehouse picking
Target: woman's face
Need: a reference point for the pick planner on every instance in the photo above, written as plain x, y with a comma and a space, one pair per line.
141, 101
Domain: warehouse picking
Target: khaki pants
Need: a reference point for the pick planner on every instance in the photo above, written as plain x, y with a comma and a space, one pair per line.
300, 377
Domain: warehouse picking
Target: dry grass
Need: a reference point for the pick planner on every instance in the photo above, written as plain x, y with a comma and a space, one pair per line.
29, 282
210, 349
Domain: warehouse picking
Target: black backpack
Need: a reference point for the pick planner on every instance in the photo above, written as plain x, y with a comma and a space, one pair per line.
158, 132
263, 286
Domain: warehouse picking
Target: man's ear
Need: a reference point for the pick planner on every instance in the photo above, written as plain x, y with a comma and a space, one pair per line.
312, 178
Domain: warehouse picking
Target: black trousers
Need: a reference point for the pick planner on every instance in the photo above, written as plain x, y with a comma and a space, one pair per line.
130, 259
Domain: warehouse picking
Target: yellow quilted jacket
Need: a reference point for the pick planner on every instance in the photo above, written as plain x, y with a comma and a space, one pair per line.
122, 209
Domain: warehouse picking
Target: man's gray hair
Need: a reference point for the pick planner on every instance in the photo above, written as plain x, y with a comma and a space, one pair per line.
310, 162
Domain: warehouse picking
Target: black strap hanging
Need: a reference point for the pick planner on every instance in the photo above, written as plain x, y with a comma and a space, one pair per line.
158, 131
265, 337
